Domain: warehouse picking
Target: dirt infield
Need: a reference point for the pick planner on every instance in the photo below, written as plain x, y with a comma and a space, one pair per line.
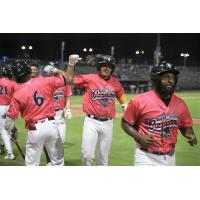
77, 112
196, 121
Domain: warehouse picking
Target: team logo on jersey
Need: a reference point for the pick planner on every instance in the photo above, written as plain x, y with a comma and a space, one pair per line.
162, 125
58, 94
103, 96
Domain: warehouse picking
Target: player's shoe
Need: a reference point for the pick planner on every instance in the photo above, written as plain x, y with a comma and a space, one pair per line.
49, 164
10, 157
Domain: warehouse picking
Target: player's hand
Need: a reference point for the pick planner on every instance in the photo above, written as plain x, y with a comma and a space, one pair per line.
68, 114
9, 124
146, 140
73, 59
124, 106
50, 70
192, 140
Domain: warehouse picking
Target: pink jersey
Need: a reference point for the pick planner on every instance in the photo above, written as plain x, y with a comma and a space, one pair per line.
34, 99
7, 89
59, 96
150, 116
99, 95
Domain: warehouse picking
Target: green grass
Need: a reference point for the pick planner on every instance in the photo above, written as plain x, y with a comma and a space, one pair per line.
122, 147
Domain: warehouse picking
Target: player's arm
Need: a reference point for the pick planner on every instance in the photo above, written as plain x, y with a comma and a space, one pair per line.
185, 125
68, 75
67, 109
122, 100
12, 114
121, 97
144, 140
67, 103
188, 133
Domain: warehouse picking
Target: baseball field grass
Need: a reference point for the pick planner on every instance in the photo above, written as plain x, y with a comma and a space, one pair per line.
122, 149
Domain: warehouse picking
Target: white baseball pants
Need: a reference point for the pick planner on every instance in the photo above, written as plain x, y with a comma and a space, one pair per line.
60, 121
4, 133
46, 134
96, 134
142, 158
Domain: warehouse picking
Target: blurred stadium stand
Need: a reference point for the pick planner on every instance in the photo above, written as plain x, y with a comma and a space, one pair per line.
134, 77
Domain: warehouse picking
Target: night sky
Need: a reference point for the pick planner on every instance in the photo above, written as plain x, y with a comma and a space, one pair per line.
47, 45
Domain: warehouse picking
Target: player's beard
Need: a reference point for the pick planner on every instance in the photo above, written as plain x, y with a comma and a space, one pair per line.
165, 91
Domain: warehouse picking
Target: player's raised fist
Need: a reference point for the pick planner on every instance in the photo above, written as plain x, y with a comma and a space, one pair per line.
73, 59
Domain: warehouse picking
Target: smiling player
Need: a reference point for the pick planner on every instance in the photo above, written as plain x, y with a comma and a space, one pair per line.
99, 106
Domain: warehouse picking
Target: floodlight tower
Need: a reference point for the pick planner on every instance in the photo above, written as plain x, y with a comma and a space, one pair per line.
157, 52
62, 53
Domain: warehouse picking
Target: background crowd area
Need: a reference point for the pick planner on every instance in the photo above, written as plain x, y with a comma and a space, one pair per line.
134, 75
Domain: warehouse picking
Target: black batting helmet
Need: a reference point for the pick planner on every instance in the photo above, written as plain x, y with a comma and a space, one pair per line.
20, 70
105, 59
5, 72
163, 68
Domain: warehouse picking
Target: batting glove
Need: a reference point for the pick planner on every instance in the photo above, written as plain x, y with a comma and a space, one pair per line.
9, 124
68, 114
124, 106
50, 70
73, 59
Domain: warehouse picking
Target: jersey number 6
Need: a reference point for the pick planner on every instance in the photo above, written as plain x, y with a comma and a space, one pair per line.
38, 100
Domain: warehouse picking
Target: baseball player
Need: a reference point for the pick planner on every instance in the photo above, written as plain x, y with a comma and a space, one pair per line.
34, 100
35, 70
62, 106
154, 117
7, 89
99, 106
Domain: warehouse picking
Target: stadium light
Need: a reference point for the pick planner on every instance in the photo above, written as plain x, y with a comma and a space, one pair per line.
137, 52
85, 50
184, 55
90, 50
23, 47
30, 47
139, 55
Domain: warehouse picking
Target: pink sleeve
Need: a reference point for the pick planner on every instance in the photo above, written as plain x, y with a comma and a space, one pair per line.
13, 110
185, 118
132, 112
56, 81
80, 80
120, 91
